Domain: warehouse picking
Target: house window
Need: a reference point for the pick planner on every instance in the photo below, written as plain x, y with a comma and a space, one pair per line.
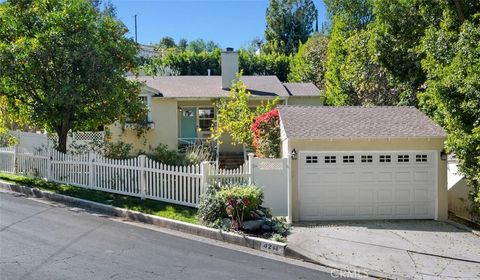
312, 159
403, 158
421, 158
205, 118
348, 159
385, 158
147, 101
366, 158
330, 159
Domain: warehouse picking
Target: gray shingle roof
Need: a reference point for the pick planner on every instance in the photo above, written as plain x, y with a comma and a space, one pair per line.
302, 89
312, 122
210, 86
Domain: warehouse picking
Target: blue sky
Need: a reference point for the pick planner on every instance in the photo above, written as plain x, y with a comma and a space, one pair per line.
231, 23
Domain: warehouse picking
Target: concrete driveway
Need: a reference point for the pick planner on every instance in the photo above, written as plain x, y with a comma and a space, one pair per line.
419, 249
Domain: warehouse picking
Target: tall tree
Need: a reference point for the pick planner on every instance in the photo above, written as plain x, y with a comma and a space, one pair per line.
201, 45
289, 22
235, 115
355, 14
339, 90
64, 63
167, 42
309, 64
182, 44
451, 62
363, 45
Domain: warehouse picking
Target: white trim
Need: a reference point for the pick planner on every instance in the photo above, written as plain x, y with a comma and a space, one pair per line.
365, 151
149, 90
435, 182
367, 138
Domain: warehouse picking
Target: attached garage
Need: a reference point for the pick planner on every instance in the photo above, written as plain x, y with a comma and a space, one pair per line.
360, 163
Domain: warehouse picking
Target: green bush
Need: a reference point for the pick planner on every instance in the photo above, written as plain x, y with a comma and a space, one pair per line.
211, 207
118, 150
252, 194
213, 203
164, 155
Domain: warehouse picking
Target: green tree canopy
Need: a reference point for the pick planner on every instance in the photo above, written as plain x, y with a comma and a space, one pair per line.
201, 45
167, 42
390, 52
355, 14
235, 115
452, 66
197, 63
63, 63
289, 22
309, 64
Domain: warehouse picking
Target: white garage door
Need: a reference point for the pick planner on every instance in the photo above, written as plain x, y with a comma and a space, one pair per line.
366, 185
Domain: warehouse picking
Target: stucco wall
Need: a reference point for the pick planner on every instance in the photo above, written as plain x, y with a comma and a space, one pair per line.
305, 100
164, 117
371, 145
458, 190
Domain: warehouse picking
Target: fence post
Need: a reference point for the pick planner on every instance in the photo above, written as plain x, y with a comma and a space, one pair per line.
91, 170
287, 163
142, 159
49, 163
251, 178
15, 159
204, 171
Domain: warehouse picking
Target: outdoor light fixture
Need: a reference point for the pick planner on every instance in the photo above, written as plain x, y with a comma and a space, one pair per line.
294, 154
443, 155
180, 109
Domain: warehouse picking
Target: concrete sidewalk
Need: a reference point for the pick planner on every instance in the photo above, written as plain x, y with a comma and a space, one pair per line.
394, 249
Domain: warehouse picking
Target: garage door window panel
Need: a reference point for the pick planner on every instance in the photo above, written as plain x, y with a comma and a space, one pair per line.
311, 159
366, 158
348, 159
385, 158
421, 158
330, 159
403, 158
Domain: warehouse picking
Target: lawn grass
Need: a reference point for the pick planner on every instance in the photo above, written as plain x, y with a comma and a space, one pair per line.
157, 208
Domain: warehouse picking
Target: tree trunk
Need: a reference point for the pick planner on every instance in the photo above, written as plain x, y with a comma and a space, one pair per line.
62, 133
459, 8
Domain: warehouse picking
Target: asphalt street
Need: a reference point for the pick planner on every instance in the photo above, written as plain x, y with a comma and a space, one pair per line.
44, 241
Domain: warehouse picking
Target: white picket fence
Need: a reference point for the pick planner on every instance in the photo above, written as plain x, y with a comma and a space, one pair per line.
140, 176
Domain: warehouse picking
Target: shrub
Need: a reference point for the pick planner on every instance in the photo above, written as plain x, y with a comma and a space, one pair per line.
164, 155
196, 155
215, 201
279, 238
266, 135
240, 200
251, 193
211, 207
118, 150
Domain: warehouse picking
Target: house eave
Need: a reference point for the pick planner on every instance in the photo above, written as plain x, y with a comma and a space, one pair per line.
408, 138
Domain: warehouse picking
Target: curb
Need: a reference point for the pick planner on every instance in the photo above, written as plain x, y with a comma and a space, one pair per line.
462, 227
268, 246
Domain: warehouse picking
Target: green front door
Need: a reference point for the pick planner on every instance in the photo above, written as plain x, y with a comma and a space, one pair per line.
188, 123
